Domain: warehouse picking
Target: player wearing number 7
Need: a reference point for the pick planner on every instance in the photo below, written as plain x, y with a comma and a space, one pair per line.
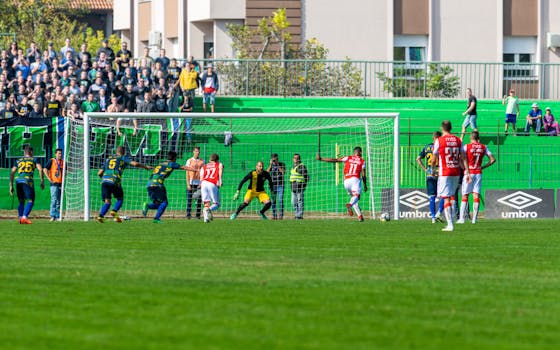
211, 181
475, 152
448, 150
354, 178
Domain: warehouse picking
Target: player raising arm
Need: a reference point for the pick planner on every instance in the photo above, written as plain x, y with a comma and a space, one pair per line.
25, 168
256, 180
354, 178
211, 181
475, 152
156, 189
449, 155
111, 184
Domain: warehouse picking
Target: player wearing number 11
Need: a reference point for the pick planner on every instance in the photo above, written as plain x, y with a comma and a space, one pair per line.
354, 178
448, 152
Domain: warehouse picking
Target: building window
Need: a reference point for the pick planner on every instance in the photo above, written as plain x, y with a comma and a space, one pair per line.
519, 57
409, 54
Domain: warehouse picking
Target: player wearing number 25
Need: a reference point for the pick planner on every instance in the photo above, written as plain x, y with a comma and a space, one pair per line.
448, 152
111, 183
25, 168
354, 178
210, 183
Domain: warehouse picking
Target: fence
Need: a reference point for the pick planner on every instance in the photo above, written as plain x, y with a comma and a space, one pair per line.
382, 79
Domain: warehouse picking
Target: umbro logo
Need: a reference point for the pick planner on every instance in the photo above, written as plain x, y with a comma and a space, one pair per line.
519, 200
415, 200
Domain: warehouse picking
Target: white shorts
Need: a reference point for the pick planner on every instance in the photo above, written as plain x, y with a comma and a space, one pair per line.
209, 192
447, 185
353, 186
474, 187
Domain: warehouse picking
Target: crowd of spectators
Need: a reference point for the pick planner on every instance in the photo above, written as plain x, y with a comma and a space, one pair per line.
69, 82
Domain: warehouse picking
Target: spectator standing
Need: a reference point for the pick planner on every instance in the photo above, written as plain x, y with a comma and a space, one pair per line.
277, 170
470, 113
24, 108
512, 111
33, 53
106, 50
122, 59
550, 124
163, 60
534, 119
188, 81
147, 105
36, 112
53, 171
193, 183
299, 178
67, 47
21, 65
84, 55
8, 111
114, 107
173, 72
148, 60
210, 85
90, 105
160, 101
51, 51
53, 107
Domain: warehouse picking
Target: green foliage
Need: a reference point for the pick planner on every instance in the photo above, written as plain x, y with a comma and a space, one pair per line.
241, 36
436, 81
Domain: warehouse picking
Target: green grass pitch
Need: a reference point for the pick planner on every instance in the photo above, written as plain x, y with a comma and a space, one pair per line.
330, 284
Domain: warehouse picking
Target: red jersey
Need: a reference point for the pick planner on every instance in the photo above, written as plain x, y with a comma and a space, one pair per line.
449, 149
353, 166
475, 152
211, 172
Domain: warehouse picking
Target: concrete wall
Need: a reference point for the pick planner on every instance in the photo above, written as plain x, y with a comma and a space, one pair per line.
360, 29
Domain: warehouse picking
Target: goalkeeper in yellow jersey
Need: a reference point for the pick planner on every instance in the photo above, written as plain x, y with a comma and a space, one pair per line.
256, 180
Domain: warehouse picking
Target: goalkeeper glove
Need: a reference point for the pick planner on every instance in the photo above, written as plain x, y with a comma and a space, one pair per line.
236, 195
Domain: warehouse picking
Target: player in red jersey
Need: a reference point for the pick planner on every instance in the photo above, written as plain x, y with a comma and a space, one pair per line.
474, 152
210, 182
448, 149
354, 178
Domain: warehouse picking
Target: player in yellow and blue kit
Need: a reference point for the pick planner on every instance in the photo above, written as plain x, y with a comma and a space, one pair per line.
111, 185
431, 177
256, 180
25, 168
156, 188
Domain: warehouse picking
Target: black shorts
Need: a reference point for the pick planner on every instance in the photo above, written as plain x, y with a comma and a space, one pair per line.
25, 192
109, 189
157, 194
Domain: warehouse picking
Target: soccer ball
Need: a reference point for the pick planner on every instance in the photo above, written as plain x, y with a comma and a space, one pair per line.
384, 217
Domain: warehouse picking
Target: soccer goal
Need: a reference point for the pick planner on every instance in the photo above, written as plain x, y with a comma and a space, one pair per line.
240, 140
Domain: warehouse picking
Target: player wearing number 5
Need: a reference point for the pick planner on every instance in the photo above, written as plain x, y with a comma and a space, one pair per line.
256, 180
448, 153
211, 181
474, 152
25, 168
111, 184
354, 178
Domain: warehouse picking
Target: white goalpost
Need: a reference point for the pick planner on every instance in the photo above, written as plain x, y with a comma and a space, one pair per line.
240, 139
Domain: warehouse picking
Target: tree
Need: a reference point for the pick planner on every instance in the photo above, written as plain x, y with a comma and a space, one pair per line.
436, 81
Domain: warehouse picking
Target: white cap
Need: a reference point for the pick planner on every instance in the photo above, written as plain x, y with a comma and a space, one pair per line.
535, 105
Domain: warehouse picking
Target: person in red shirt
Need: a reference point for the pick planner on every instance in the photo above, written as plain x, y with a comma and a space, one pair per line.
354, 178
210, 182
474, 152
448, 150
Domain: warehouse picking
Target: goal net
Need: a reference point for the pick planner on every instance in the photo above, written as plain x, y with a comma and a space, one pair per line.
240, 140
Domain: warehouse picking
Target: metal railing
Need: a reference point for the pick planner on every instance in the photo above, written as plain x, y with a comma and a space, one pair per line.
385, 79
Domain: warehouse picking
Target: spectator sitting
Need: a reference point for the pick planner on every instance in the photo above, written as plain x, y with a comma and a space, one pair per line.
550, 124
187, 105
173, 72
82, 96
24, 108
98, 85
103, 61
8, 111
36, 112
534, 119
146, 60
73, 88
69, 102
128, 78
38, 69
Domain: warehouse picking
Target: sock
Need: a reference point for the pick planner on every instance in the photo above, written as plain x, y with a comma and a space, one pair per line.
27, 209
266, 207
441, 203
453, 206
241, 207
20, 209
357, 209
475, 207
153, 205
354, 199
214, 206
206, 204
104, 209
463, 209
160, 210
447, 212
118, 204
433, 206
